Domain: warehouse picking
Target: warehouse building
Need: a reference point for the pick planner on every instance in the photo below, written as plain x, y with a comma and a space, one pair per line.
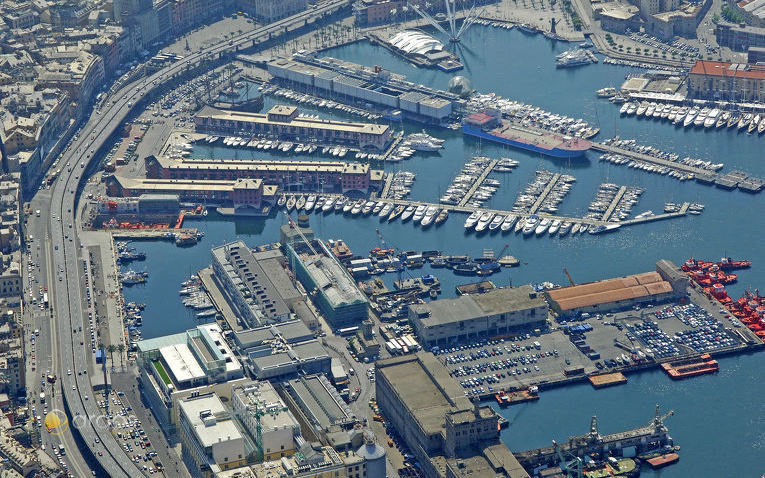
282, 121
255, 283
243, 194
336, 293
288, 175
472, 317
257, 405
332, 78
716, 80
612, 294
436, 420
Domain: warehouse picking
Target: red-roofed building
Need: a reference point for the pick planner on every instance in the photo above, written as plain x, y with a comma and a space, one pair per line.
727, 81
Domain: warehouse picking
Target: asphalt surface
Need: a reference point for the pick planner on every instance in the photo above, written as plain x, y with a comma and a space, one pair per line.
62, 251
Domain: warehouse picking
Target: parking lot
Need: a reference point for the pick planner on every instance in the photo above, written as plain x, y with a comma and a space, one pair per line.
588, 344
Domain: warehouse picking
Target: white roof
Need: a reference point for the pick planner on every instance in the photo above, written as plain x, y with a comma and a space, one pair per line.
225, 350
414, 42
182, 363
214, 431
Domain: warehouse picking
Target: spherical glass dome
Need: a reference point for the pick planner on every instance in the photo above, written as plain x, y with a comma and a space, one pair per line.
459, 85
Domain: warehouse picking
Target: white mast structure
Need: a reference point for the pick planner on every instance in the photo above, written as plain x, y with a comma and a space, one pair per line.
454, 33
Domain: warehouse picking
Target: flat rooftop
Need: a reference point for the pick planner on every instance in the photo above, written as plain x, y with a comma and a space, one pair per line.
181, 362
300, 122
204, 164
425, 387
262, 396
467, 307
213, 431
185, 185
291, 332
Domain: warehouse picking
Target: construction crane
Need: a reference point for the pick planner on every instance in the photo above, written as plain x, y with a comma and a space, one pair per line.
302, 236
571, 281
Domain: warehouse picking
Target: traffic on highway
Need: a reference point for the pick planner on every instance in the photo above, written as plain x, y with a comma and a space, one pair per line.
57, 257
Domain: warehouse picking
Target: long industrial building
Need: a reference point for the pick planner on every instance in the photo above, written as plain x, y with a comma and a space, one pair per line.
288, 175
283, 122
444, 429
471, 317
255, 284
666, 283
716, 80
243, 194
332, 78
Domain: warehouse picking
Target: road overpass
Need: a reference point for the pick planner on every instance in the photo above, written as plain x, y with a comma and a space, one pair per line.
65, 261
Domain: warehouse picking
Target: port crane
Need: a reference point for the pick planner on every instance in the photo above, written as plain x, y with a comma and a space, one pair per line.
658, 419
571, 467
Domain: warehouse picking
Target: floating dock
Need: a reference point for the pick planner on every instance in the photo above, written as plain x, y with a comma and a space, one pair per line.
581, 220
614, 202
545, 193
478, 181
607, 379
606, 148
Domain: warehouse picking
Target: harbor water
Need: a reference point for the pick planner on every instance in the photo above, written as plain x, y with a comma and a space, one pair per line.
720, 419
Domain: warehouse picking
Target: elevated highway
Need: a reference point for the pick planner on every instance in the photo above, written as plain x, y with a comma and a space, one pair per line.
65, 261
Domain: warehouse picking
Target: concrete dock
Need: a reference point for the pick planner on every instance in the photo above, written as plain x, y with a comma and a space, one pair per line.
545, 193
581, 220
489, 168
614, 203
605, 148
386, 186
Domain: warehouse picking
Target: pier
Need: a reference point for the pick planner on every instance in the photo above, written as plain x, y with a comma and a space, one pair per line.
545, 193
605, 148
649, 437
386, 186
658, 217
478, 181
614, 203
151, 233
581, 220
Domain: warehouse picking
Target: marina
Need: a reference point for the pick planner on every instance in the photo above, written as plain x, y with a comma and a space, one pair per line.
676, 234
408, 207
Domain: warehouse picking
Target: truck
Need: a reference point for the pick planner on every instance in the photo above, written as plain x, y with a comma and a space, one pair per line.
45, 299
42, 397
61, 449
537, 345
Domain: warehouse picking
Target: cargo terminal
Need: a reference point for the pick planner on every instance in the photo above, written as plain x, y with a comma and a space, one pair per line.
592, 332
333, 78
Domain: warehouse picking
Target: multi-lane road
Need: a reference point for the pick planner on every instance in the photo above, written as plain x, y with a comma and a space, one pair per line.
61, 257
